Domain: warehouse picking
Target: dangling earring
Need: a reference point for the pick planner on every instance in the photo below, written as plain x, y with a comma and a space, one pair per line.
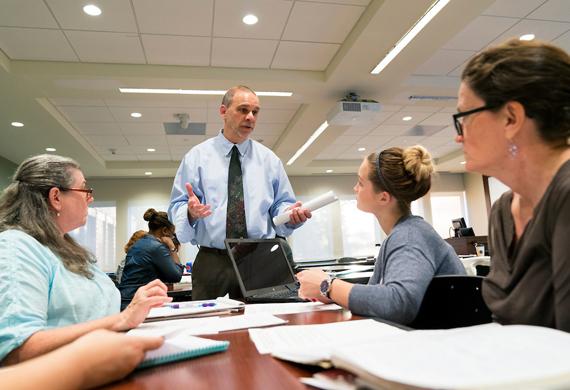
513, 149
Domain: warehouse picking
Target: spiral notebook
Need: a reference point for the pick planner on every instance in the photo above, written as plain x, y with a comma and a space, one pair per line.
181, 348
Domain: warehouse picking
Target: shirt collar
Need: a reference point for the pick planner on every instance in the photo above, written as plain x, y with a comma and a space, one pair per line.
227, 146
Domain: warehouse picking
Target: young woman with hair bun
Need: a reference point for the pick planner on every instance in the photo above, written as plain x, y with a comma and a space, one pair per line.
411, 255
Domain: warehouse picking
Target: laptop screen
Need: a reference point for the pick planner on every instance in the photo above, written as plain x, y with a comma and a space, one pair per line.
260, 263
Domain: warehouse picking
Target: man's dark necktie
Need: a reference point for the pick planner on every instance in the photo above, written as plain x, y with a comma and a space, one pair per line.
235, 220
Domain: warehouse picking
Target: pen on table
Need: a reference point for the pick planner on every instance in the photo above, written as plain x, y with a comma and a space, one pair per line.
178, 306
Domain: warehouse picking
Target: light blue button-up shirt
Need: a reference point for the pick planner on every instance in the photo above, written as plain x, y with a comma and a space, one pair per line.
37, 292
266, 188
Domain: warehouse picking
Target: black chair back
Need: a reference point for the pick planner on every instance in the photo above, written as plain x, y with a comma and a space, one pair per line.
452, 302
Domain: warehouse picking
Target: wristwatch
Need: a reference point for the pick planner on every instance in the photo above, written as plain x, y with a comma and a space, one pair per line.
326, 286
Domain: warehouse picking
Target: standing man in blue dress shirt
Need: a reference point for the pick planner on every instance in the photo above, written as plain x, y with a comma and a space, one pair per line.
231, 167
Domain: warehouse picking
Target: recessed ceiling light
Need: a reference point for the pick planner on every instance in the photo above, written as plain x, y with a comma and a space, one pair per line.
407, 118
437, 6
250, 19
92, 10
136, 114
151, 150
463, 162
361, 149
148, 173
17, 124
168, 91
526, 37
329, 171
50, 149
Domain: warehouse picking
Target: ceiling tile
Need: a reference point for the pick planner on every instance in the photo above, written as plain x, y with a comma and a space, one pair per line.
512, 8
91, 128
26, 13
269, 129
242, 53
195, 114
108, 141
154, 156
118, 157
477, 34
267, 140
175, 50
175, 17
156, 128
373, 142
347, 140
363, 3
77, 102
185, 141
360, 130
86, 114
396, 118
272, 15
542, 29
434, 143
107, 47
390, 129
403, 142
318, 22
35, 44
304, 56
437, 119
117, 15
419, 106
563, 41
148, 141
443, 62
274, 116
558, 10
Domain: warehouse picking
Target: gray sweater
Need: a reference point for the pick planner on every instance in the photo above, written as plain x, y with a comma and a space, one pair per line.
408, 260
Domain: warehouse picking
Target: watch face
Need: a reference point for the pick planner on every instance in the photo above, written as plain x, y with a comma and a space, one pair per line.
324, 287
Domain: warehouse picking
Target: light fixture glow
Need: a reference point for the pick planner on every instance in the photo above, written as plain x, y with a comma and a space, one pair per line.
136, 114
311, 139
148, 173
168, 91
151, 150
411, 34
527, 37
50, 149
463, 162
250, 19
92, 10
329, 171
407, 118
17, 124
361, 149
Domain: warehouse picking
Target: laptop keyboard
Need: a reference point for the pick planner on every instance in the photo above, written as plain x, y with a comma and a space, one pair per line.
280, 294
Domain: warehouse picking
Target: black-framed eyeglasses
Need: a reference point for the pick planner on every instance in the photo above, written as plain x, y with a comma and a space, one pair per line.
88, 191
458, 121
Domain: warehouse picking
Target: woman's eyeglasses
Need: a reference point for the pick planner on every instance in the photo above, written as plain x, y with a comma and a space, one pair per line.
88, 191
458, 118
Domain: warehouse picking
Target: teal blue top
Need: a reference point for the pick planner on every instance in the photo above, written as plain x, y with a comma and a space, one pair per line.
37, 292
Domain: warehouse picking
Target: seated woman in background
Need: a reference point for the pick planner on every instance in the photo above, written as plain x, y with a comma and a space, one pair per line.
153, 256
134, 238
411, 255
514, 124
52, 291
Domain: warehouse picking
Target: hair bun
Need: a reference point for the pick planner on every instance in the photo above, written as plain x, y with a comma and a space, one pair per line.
418, 162
150, 214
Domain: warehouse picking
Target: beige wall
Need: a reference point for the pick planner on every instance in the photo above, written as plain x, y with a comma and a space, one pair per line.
476, 205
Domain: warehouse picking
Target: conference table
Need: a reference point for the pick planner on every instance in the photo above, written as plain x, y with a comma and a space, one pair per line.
240, 367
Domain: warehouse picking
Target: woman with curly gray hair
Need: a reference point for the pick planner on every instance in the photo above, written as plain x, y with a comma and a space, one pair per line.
51, 290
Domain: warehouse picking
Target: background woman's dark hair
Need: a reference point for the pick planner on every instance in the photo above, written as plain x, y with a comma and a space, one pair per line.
24, 205
157, 220
533, 73
404, 173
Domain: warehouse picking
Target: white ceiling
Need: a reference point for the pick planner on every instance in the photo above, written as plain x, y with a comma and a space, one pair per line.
60, 71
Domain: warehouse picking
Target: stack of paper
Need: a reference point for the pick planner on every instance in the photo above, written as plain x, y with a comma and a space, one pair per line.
193, 309
481, 356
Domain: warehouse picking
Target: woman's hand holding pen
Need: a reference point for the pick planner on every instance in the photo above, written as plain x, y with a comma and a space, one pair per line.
148, 296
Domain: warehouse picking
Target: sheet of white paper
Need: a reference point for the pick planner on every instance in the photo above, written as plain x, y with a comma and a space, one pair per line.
289, 308
205, 325
480, 356
194, 308
315, 342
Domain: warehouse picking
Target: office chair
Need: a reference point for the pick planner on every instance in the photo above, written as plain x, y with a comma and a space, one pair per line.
452, 302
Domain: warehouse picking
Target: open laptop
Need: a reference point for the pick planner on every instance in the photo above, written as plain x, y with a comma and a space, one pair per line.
262, 269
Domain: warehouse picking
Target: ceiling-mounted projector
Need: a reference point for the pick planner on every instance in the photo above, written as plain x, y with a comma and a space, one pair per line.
351, 111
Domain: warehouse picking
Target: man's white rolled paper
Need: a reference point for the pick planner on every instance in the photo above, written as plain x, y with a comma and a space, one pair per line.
311, 205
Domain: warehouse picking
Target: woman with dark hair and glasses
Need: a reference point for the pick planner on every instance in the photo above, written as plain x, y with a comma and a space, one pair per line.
411, 255
50, 288
514, 124
154, 256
